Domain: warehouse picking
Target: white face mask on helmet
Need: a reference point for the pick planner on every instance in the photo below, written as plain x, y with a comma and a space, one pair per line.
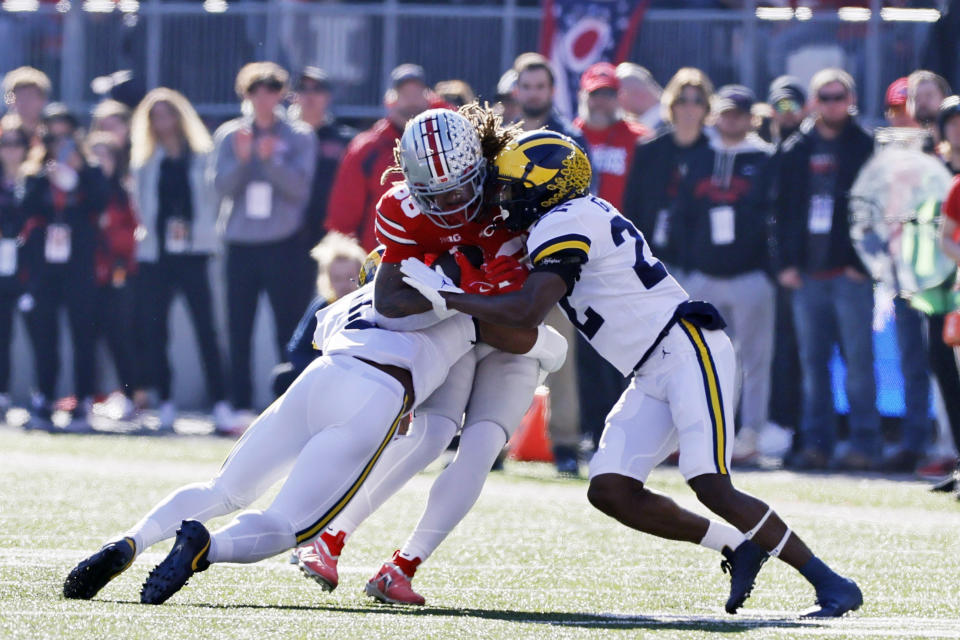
444, 167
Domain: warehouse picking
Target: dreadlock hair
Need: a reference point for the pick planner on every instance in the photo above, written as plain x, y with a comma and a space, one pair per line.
494, 137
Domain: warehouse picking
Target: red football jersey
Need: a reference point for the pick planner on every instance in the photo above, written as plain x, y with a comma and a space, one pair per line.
408, 233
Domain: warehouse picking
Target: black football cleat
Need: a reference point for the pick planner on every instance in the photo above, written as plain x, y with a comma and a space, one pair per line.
743, 564
93, 574
836, 598
187, 557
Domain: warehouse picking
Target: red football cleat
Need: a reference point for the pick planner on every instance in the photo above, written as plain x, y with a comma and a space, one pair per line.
392, 582
318, 560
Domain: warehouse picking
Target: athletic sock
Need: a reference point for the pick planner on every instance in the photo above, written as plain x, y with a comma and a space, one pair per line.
406, 563
334, 541
720, 535
816, 572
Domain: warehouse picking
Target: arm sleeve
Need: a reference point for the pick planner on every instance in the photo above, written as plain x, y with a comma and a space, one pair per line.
389, 226
122, 241
348, 195
293, 176
786, 213
94, 186
554, 248
229, 174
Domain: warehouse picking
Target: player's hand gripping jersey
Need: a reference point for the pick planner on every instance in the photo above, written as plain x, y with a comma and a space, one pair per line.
407, 233
621, 311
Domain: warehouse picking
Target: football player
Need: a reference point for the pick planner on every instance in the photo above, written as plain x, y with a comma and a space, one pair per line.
438, 208
596, 265
344, 408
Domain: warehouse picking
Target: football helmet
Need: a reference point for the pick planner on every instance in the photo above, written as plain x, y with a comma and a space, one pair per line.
538, 171
443, 165
370, 265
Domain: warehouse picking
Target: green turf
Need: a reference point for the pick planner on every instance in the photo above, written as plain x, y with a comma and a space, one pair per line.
532, 560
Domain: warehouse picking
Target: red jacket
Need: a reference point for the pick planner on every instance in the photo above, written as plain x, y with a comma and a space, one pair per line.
611, 153
114, 258
356, 188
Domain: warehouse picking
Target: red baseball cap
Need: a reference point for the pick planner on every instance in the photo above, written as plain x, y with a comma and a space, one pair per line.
897, 93
600, 75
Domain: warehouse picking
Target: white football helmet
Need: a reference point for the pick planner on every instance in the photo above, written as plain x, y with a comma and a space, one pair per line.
443, 166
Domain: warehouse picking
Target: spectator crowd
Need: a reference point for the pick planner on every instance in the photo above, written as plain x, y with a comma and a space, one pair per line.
745, 200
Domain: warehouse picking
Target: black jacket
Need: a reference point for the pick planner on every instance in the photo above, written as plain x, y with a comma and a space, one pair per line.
854, 148
12, 219
80, 211
332, 141
653, 188
724, 209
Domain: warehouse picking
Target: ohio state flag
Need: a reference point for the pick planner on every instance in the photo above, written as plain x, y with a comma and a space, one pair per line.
577, 33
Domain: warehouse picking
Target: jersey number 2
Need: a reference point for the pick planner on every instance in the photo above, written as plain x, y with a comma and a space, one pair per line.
650, 274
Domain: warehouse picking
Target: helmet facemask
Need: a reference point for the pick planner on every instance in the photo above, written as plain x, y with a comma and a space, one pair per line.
521, 200
454, 205
443, 166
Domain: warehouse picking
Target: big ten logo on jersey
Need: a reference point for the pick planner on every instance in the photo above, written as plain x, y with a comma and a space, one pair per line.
612, 160
407, 203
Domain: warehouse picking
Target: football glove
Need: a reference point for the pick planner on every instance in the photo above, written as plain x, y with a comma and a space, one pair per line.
429, 283
472, 279
506, 273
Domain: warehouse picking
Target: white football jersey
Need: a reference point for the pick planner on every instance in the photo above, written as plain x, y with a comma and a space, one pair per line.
624, 296
348, 327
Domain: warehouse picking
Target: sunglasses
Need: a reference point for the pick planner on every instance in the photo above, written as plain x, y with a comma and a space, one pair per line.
604, 93
831, 97
700, 102
786, 105
313, 88
272, 86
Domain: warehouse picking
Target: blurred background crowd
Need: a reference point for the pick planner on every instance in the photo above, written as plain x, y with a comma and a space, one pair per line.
147, 212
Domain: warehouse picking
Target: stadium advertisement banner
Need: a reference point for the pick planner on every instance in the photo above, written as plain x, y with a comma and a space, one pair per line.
576, 34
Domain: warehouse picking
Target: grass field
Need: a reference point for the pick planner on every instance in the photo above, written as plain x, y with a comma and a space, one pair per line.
533, 559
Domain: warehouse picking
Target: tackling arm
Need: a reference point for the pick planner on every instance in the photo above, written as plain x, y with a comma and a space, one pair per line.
525, 308
392, 297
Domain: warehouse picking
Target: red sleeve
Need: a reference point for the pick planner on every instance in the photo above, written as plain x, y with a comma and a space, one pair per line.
951, 206
122, 237
347, 197
394, 227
